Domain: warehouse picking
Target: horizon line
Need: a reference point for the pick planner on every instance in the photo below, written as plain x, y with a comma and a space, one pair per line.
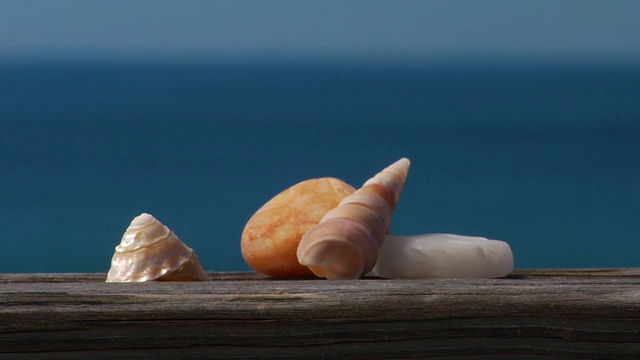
311, 58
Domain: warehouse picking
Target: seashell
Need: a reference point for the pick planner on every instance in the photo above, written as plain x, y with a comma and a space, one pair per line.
150, 251
443, 256
271, 236
344, 245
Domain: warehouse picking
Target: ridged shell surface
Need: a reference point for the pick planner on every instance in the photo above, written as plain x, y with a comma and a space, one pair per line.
271, 236
344, 245
150, 251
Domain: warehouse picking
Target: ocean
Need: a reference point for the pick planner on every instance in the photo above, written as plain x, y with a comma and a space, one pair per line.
545, 156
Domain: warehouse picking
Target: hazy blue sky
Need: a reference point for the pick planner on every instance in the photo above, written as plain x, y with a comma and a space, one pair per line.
608, 29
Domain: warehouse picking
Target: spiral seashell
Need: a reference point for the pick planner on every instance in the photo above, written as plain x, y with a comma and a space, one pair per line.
150, 251
344, 244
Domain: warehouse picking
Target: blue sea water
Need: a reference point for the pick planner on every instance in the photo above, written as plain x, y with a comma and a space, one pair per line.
543, 156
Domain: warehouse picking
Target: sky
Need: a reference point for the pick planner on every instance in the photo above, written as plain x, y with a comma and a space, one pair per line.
332, 29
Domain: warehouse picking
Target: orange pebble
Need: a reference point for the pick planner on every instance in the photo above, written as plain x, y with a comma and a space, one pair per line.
270, 238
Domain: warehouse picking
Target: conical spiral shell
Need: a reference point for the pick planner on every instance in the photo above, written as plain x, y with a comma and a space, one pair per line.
150, 251
344, 244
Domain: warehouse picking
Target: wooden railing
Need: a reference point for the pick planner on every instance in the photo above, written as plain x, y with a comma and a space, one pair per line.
577, 313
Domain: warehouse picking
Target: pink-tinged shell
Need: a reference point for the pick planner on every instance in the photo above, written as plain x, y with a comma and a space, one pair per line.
150, 251
344, 245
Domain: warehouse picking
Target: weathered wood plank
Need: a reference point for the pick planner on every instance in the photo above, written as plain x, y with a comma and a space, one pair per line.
531, 314
590, 273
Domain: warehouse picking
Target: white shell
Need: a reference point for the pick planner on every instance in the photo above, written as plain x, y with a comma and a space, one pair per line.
443, 256
150, 251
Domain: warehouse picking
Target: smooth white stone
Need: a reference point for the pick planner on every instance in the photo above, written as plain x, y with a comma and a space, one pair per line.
443, 256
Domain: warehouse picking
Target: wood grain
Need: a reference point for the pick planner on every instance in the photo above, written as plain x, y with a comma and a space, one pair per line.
532, 314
